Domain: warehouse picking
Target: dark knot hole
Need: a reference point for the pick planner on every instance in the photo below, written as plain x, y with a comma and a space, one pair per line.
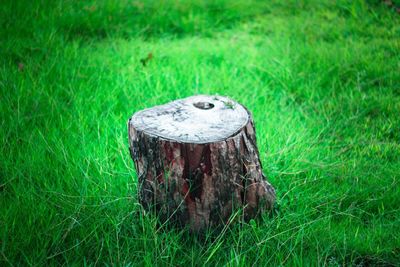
203, 105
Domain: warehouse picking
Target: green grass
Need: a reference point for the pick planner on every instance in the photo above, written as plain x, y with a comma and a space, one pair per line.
322, 79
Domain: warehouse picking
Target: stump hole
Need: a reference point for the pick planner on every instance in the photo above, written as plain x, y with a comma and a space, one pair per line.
203, 105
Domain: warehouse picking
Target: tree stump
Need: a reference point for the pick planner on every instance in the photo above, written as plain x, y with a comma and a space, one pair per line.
197, 161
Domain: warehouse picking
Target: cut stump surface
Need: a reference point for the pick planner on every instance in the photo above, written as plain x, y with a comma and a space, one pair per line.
197, 161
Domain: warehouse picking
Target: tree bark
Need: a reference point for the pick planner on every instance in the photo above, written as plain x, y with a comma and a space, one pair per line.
197, 162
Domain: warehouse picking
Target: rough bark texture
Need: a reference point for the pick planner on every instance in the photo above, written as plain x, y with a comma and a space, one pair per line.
195, 183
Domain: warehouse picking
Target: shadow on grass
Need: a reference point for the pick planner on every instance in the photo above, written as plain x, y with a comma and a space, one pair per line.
155, 19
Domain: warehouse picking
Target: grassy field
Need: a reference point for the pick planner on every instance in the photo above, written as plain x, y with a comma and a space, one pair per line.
322, 79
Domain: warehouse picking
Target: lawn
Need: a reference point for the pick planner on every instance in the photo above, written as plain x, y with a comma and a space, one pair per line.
322, 79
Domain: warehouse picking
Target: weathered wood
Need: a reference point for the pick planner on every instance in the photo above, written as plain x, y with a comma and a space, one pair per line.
197, 161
